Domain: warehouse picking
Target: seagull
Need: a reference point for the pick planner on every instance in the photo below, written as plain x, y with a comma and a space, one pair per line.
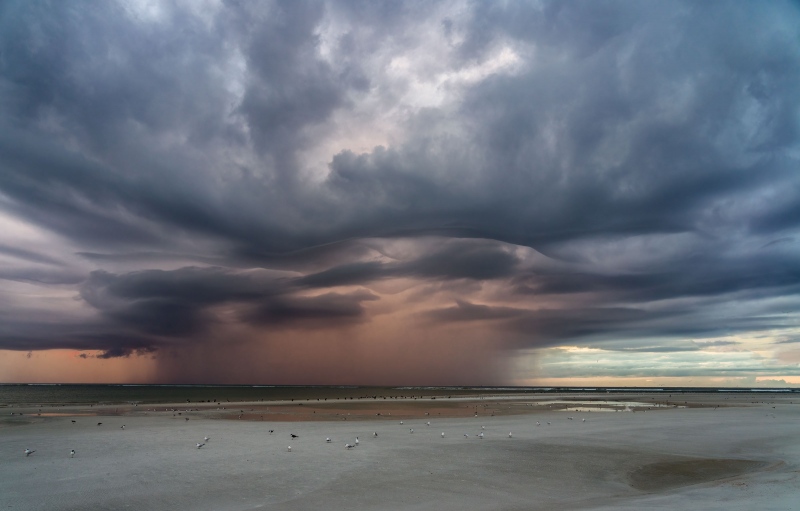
483, 427
375, 435
289, 448
356, 440
294, 436
411, 430
328, 439
72, 421
199, 445
122, 427
348, 446
537, 423
442, 434
584, 420
481, 435
428, 423
99, 423
206, 439
401, 423
72, 453
28, 452
466, 435
271, 431
510, 435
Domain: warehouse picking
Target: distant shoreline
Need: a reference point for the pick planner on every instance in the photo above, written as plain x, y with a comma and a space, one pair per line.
12, 394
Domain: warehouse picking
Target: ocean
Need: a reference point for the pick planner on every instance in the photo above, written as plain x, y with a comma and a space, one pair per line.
65, 394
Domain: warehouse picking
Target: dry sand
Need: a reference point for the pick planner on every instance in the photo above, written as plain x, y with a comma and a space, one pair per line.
719, 452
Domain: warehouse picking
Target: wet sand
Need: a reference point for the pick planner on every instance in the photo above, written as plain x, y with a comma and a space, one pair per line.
699, 451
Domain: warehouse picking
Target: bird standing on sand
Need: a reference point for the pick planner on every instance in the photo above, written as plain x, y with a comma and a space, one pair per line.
510, 435
28, 452
481, 435
72, 453
294, 436
411, 430
356, 440
328, 439
348, 446
199, 445
442, 434
289, 448
375, 435
206, 439
122, 427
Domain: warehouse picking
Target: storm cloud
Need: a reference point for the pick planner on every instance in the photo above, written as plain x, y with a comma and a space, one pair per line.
186, 178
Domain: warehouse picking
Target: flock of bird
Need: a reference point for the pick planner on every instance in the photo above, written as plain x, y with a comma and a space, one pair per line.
348, 445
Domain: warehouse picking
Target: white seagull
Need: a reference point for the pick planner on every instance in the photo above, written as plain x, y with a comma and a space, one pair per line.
481, 435
28, 452
428, 423
289, 448
375, 435
328, 439
206, 439
348, 446
199, 445
411, 430
510, 435
72, 453
442, 434
356, 440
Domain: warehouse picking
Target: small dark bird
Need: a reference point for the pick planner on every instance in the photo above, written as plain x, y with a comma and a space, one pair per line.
271, 431
294, 436
99, 423
74, 421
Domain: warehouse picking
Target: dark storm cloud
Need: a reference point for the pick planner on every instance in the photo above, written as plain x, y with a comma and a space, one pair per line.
643, 156
454, 259
311, 312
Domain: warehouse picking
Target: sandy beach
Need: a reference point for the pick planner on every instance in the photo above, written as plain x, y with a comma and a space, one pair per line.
698, 451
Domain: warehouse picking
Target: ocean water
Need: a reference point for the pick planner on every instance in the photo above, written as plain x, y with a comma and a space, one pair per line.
64, 394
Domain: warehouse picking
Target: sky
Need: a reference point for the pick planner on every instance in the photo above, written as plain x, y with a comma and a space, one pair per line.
400, 192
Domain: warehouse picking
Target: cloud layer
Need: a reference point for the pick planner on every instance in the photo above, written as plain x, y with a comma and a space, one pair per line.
185, 179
